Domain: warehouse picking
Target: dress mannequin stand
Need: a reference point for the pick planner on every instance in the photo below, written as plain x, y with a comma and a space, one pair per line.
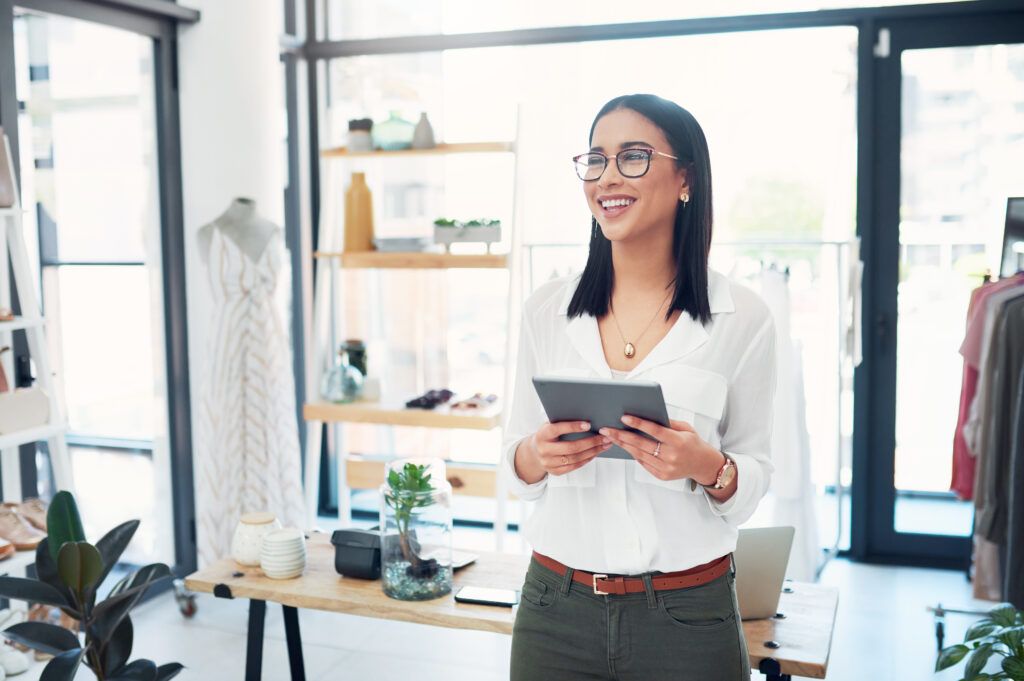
247, 449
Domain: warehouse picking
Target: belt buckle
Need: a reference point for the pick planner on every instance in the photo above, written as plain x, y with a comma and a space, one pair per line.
596, 591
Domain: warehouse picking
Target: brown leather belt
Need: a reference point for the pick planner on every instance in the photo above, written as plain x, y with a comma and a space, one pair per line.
604, 585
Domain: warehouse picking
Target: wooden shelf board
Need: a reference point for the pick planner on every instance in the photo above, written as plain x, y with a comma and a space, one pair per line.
474, 480
415, 260
397, 415
440, 149
21, 323
24, 437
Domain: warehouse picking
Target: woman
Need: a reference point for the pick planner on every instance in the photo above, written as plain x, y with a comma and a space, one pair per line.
631, 576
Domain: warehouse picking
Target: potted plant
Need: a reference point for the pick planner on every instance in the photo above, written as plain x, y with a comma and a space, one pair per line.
416, 531
71, 571
483, 230
1001, 633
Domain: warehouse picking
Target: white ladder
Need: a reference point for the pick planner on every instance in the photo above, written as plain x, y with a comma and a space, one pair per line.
34, 325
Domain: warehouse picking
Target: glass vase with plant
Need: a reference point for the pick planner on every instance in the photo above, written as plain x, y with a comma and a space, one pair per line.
416, 531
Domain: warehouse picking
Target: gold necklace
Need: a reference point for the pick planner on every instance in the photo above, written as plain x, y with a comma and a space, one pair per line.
630, 348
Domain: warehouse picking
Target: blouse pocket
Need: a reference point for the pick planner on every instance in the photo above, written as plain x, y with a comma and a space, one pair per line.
693, 395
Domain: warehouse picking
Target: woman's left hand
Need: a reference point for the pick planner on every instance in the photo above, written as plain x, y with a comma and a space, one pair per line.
683, 453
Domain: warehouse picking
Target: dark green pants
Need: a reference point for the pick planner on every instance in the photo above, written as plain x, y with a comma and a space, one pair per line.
564, 632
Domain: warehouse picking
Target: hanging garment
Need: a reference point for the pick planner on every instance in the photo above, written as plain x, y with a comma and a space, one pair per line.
247, 448
791, 496
1013, 573
1007, 359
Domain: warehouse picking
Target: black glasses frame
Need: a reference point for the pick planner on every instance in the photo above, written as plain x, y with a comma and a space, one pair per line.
650, 155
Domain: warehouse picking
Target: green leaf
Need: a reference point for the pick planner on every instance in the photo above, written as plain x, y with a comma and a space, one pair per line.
118, 649
168, 671
113, 545
107, 616
63, 522
1014, 667
43, 636
1004, 616
63, 667
976, 662
1013, 638
140, 670
31, 590
980, 630
79, 566
950, 656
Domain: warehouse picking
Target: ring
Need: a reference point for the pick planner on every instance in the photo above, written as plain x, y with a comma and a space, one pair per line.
565, 460
657, 450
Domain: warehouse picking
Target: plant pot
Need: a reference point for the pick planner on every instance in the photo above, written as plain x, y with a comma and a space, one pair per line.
461, 235
416, 530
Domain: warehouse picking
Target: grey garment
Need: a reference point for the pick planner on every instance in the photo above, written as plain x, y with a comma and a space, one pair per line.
1013, 581
565, 632
1008, 345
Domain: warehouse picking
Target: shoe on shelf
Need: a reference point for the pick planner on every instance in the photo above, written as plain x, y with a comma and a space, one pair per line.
15, 529
6, 549
33, 510
13, 662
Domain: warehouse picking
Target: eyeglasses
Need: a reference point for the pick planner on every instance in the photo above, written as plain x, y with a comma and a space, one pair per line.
631, 163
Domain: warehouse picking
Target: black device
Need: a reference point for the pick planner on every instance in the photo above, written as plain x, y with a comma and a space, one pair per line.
1013, 238
483, 595
602, 403
357, 553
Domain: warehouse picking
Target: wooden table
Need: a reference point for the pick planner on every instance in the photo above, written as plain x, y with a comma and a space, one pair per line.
802, 635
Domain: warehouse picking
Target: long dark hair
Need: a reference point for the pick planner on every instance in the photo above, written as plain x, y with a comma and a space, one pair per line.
691, 234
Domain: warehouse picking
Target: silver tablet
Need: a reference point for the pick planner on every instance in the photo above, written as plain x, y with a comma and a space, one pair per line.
602, 403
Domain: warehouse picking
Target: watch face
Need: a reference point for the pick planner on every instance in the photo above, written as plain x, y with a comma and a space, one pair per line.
728, 474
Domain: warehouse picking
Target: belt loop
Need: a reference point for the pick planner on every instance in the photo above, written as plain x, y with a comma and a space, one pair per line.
652, 600
566, 581
732, 563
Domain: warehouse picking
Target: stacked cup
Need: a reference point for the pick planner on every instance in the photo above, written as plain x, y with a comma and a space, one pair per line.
283, 554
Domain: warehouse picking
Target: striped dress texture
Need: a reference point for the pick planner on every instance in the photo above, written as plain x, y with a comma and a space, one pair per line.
247, 456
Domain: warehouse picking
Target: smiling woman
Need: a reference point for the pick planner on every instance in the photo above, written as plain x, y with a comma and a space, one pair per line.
642, 546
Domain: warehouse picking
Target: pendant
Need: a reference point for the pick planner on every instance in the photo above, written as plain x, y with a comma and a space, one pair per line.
630, 350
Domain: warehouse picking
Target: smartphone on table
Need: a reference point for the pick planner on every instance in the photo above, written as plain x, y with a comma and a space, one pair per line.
487, 596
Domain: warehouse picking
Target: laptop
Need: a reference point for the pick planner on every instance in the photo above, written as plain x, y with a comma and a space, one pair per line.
761, 556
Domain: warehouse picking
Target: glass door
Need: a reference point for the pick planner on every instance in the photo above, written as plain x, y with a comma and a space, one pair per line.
950, 123
89, 162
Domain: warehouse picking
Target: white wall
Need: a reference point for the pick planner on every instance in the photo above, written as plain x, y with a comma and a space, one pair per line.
231, 88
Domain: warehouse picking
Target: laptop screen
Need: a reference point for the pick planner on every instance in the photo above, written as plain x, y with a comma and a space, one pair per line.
1013, 238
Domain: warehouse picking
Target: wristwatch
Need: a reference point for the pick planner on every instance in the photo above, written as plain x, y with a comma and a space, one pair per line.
725, 474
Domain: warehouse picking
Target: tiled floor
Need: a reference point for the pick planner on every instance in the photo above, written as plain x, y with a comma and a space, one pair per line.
883, 632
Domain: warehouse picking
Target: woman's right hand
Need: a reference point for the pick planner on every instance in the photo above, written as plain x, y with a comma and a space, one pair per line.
544, 454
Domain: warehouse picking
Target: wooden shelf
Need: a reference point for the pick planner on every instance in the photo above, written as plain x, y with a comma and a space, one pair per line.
21, 323
440, 149
17, 565
24, 437
420, 261
473, 480
398, 415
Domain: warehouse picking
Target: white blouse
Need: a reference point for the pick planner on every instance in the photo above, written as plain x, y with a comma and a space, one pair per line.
612, 516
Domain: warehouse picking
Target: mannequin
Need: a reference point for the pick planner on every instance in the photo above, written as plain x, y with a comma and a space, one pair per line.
247, 437
243, 225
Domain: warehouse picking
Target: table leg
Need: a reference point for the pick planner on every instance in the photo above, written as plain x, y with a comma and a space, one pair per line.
770, 668
291, 632
254, 647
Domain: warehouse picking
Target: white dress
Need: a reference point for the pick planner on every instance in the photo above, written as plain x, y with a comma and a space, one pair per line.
247, 455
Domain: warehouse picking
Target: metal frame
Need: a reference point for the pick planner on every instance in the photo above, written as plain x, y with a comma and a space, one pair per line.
879, 540
158, 20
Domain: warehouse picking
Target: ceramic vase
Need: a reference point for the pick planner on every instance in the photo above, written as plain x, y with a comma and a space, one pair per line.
283, 555
247, 540
358, 215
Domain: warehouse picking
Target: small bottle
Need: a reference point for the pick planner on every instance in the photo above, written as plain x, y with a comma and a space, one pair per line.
358, 215
359, 136
423, 137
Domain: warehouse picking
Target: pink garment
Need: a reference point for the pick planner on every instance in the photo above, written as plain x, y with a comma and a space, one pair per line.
964, 463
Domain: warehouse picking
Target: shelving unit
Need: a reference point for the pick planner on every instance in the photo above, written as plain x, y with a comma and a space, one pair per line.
361, 472
33, 324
